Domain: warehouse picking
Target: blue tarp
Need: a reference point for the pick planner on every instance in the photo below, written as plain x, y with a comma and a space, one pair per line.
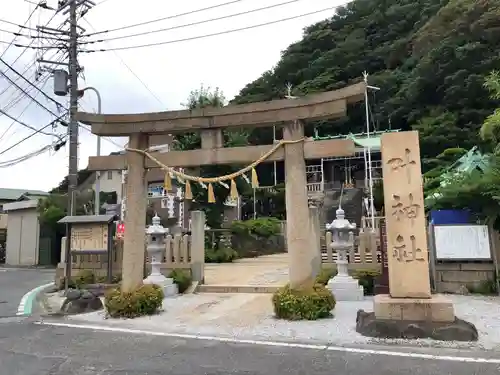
442, 217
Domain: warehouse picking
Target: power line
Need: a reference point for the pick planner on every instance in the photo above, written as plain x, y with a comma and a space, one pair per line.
211, 35
164, 18
21, 159
26, 94
15, 101
18, 34
133, 73
194, 23
22, 112
13, 39
25, 49
36, 131
23, 27
105, 138
30, 46
58, 105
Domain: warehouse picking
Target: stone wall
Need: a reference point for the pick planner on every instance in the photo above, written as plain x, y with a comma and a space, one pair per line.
452, 277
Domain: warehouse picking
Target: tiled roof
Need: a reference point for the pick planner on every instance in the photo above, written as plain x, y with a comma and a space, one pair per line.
15, 194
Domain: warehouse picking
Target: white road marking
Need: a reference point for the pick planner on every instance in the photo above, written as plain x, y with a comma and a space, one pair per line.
344, 349
26, 305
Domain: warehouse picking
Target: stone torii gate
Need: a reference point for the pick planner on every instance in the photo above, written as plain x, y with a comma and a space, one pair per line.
210, 122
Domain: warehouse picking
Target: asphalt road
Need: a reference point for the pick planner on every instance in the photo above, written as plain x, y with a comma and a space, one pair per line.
30, 349
14, 283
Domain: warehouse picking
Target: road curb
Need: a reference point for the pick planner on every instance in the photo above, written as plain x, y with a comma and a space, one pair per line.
27, 303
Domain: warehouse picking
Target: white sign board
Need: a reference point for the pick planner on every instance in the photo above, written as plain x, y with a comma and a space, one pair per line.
462, 242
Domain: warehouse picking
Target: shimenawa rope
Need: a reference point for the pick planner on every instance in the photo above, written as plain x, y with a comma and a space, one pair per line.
211, 180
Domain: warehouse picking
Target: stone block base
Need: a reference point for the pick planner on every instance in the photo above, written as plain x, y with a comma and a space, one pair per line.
346, 289
170, 289
458, 330
410, 318
435, 309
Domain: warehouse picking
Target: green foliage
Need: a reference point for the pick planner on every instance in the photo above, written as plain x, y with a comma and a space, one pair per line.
115, 279
84, 277
366, 279
214, 212
490, 131
182, 278
222, 255
324, 275
429, 57
305, 304
263, 227
478, 192
271, 201
146, 300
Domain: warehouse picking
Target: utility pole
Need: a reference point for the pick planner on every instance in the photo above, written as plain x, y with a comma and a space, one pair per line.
73, 105
66, 81
69, 37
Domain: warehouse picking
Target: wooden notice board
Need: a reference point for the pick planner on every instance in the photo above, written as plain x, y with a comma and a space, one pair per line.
89, 237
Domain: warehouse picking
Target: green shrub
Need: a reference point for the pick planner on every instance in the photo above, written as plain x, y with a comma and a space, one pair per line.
146, 300
84, 277
220, 255
366, 279
263, 227
115, 279
324, 275
71, 285
305, 304
182, 278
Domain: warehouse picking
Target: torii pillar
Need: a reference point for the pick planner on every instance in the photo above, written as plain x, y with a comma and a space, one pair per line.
135, 218
302, 255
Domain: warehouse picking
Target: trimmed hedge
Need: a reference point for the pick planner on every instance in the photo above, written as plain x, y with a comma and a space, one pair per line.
220, 255
182, 278
262, 227
146, 300
366, 278
312, 303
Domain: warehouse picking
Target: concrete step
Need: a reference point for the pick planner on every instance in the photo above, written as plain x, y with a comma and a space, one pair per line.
237, 288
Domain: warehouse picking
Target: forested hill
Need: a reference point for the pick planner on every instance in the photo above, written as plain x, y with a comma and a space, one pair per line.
429, 57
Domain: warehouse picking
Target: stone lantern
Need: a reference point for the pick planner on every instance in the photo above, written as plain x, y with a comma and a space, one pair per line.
155, 246
343, 286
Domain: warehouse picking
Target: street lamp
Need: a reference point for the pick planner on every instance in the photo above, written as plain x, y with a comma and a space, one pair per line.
97, 202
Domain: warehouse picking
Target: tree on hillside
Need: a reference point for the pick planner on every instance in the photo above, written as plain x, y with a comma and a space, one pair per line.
490, 131
478, 191
429, 57
197, 99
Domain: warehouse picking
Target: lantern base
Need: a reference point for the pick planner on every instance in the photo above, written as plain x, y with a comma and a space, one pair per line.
170, 289
345, 288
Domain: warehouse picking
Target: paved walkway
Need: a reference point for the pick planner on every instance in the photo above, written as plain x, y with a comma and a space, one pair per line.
265, 270
15, 282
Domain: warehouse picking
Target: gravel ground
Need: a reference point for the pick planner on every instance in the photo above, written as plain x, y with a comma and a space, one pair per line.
214, 315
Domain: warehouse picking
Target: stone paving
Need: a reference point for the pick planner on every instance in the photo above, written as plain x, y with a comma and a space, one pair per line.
268, 270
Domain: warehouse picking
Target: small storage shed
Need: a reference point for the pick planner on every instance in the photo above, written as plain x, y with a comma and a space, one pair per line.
23, 233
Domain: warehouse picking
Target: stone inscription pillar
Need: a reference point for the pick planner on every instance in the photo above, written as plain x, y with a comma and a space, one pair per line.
407, 252
302, 256
135, 220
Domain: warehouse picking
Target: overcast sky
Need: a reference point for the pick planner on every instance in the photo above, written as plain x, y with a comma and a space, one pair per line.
168, 72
